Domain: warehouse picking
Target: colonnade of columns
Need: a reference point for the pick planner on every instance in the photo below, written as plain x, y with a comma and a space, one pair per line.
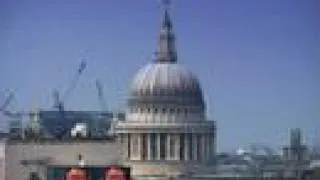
168, 146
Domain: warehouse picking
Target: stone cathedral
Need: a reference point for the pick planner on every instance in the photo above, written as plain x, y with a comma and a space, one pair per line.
166, 132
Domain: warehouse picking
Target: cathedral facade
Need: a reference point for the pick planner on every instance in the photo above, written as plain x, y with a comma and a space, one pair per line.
166, 132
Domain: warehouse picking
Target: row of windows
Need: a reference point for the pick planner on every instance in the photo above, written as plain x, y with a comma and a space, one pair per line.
162, 153
195, 91
163, 110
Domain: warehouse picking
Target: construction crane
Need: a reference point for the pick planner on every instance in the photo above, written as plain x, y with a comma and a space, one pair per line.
103, 107
7, 101
9, 113
101, 96
59, 101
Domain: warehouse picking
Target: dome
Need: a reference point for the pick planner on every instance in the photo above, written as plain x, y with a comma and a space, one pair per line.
165, 82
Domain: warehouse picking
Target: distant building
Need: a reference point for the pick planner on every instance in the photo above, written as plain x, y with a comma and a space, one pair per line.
296, 150
55, 124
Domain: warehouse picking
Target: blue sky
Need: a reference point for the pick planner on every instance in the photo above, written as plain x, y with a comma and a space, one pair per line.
258, 61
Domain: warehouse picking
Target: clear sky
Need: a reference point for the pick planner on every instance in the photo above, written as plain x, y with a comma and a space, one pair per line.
258, 61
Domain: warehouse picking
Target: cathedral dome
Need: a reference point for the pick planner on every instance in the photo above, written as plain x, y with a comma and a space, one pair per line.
166, 82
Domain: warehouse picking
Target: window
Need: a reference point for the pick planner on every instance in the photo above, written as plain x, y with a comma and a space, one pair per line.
144, 146
147, 91
155, 110
129, 146
34, 176
163, 146
153, 146
172, 146
178, 110
163, 110
199, 147
121, 138
135, 147
182, 148
171, 110
190, 143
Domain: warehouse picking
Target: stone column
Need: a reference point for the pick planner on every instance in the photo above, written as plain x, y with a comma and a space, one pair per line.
177, 146
168, 137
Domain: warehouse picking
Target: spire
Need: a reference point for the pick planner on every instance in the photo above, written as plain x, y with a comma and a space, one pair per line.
166, 52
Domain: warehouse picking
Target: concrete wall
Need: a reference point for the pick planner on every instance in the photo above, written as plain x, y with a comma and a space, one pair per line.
58, 153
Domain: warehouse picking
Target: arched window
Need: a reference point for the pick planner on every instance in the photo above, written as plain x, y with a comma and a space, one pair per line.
155, 110
76, 174
115, 173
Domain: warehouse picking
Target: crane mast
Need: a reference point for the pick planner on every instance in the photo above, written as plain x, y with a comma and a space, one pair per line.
102, 101
101, 122
59, 101
7, 101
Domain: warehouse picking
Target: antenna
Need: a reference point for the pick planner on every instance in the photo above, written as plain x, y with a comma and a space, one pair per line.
166, 3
